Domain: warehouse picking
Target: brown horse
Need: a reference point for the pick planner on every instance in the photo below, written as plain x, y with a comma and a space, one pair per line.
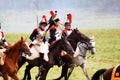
10, 66
108, 74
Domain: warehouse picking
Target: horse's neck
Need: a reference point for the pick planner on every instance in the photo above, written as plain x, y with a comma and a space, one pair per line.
80, 51
13, 53
73, 44
83, 51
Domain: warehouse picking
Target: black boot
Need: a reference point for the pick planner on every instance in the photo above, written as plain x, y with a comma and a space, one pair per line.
41, 62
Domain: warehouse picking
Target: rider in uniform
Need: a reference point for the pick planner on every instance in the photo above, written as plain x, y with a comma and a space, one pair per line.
2, 37
38, 38
54, 28
68, 30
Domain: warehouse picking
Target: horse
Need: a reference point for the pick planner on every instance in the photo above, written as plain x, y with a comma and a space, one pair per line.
74, 38
54, 53
10, 66
108, 74
80, 56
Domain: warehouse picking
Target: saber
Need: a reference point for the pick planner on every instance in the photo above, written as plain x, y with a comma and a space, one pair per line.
37, 19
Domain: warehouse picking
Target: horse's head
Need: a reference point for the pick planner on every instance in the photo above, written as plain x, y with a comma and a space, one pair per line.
24, 47
83, 47
92, 45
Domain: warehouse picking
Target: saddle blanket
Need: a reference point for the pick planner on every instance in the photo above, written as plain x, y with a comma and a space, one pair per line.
116, 73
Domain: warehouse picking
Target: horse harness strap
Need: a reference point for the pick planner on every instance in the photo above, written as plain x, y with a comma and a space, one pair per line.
82, 55
116, 73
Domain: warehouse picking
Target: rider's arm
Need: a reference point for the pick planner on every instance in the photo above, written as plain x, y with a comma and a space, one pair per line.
3, 39
33, 35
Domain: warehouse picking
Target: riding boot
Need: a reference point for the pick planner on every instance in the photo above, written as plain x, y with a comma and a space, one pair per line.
41, 61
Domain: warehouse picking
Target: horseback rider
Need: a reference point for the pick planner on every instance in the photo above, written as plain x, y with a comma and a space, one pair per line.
2, 37
68, 30
55, 29
38, 38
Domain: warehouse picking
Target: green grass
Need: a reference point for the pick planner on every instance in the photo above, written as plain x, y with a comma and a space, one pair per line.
107, 54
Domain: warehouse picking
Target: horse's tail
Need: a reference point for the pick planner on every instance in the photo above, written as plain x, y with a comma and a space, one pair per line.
97, 74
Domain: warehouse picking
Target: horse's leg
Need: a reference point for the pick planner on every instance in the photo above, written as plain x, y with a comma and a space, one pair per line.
65, 72
39, 74
83, 66
21, 61
5, 76
14, 76
44, 74
27, 72
70, 71
62, 73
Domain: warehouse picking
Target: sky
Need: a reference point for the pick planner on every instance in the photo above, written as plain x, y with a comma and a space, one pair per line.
105, 5
95, 14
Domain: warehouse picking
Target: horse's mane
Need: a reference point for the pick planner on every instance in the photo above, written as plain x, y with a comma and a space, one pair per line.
83, 36
54, 45
11, 48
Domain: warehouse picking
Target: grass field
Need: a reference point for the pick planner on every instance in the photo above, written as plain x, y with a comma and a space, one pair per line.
107, 54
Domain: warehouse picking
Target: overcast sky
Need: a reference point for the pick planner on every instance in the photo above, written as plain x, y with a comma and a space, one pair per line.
101, 5
15, 15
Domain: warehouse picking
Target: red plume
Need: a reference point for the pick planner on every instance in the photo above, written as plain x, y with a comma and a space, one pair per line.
52, 13
69, 17
44, 19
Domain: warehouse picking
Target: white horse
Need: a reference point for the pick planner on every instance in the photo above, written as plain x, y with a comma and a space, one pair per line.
80, 56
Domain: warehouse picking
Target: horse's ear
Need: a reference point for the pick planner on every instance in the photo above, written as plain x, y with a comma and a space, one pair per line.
21, 38
75, 29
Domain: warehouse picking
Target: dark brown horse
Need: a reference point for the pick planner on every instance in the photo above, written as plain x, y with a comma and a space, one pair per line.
10, 66
75, 37
54, 53
108, 74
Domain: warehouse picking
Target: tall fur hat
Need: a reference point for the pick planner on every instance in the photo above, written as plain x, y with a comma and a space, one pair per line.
43, 21
69, 18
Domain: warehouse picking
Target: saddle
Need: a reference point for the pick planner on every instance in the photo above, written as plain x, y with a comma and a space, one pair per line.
116, 73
